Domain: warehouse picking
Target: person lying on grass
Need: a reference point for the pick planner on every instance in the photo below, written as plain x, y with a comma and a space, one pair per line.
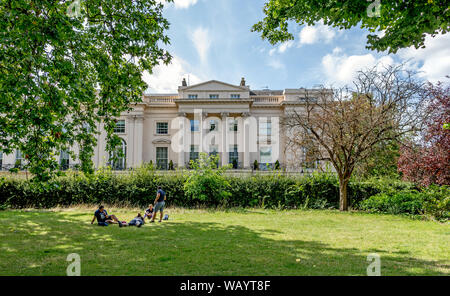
103, 218
137, 221
149, 212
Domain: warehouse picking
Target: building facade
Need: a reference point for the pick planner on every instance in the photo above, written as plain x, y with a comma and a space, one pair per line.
240, 125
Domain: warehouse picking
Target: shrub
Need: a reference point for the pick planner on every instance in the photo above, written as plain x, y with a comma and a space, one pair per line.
208, 186
206, 182
403, 202
437, 202
433, 201
277, 165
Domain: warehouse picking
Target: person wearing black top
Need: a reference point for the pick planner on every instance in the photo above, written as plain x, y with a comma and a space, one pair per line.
103, 218
160, 202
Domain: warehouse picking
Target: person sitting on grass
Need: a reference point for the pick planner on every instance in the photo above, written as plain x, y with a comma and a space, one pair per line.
149, 212
103, 218
137, 221
160, 202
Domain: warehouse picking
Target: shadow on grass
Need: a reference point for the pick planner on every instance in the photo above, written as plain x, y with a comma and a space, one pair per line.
37, 243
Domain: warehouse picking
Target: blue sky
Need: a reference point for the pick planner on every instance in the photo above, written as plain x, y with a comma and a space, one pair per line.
211, 39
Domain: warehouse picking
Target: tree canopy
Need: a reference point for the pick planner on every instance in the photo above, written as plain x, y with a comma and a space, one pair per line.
346, 126
69, 67
404, 23
428, 161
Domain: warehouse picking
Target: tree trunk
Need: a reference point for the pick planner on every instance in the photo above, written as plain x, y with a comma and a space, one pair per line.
343, 204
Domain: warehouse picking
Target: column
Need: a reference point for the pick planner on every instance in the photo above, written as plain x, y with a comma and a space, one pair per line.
203, 133
130, 141
224, 129
138, 139
182, 139
245, 140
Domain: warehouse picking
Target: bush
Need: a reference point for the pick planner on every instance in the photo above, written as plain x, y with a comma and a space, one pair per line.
206, 182
207, 186
433, 201
437, 202
403, 202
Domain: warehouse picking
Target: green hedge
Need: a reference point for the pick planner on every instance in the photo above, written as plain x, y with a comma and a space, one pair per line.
269, 191
433, 202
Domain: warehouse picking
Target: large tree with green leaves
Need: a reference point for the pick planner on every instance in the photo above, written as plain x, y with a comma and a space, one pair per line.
66, 67
405, 23
349, 125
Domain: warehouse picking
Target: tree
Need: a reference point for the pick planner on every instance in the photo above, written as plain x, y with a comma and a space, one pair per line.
405, 23
69, 68
344, 126
382, 162
206, 181
255, 165
428, 161
277, 165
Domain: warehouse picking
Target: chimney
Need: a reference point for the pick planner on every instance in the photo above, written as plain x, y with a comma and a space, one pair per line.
183, 83
242, 81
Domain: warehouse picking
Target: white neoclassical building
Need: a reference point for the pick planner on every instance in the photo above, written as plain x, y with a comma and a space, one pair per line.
238, 124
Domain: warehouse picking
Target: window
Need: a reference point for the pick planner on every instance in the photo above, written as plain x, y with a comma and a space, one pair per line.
118, 157
64, 160
19, 159
213, 125
233, 156
193, 155
265, 155
162, 128
213, 96
233, 125
192, 96
265, 128
235, 96
120, 127
195, 125
161, 158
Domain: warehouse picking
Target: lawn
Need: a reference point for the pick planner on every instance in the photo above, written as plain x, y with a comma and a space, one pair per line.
235, 242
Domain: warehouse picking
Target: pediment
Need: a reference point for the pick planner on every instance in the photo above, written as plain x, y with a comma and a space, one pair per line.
214, 85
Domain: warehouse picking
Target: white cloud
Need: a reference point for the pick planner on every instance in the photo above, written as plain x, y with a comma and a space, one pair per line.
282, 48
433, 61
166, 79
180, 4
202, 42
285, 45
316, 33
276, 64
340, 69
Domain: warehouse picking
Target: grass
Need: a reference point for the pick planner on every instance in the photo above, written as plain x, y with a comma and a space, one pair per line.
235, 242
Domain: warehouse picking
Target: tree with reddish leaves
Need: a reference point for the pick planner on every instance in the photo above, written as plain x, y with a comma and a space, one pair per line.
428, 162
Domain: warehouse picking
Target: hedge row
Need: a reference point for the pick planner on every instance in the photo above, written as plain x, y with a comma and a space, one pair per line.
138, 189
